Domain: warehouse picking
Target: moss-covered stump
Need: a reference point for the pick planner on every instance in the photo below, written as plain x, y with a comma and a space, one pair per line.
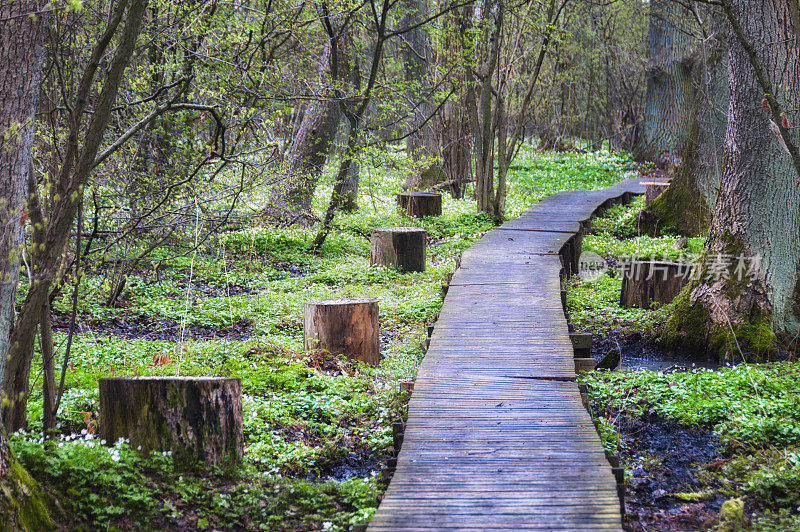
23, 503
419, 204
197, 418
346, 327
402, 248
647, 282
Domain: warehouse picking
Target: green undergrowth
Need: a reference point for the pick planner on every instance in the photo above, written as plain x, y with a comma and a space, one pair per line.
753, 409
616, 235
594, 302
749, 406
116, 484
317, 427
595, 305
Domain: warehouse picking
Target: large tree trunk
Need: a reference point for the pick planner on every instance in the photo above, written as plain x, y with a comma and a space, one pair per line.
455, 131
686, 206
456, 147
22, 34
756, 214
312, 143
669, 104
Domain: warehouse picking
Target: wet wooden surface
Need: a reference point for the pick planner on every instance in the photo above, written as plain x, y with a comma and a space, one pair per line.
496, 436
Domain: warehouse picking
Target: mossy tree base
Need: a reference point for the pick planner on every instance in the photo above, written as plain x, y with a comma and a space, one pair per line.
704, 321
679, 209
23, 503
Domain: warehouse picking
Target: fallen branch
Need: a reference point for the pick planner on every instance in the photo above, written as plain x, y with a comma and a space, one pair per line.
446, 184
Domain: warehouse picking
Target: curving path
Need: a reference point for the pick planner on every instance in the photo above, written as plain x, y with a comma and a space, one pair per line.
497, 437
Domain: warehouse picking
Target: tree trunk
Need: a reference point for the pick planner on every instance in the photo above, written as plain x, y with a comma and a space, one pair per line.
309, 150
456, 142
688, 203
456, 132
754, 301
79, 159
670, 91
350, 185
421, 144
354, 112
22, 46
48, 370
485, 126
312, 143
197, 418
23, 29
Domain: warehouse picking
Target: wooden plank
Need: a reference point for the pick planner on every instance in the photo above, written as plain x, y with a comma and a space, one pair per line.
496, 437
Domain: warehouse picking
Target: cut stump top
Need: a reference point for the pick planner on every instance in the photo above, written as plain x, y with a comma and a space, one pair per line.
166, 378
343, 301
399, 229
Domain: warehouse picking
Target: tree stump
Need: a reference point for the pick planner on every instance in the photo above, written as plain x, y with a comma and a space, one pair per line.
419, 204
346, 327
399, 247
645, 282
197, 418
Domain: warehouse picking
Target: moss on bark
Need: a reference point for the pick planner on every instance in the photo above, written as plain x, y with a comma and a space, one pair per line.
692, 327
687, 324
682, 208
678, 210
23, 503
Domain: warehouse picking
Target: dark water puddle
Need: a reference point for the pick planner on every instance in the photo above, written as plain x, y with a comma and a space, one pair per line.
353, 465
164, 330
663, 459
294, 270
635, 353
261, 264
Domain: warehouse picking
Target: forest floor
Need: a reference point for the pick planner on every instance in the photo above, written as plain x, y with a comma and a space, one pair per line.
703, 444
317, 427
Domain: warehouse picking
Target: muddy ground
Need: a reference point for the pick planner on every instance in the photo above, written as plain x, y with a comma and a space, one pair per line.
662, 458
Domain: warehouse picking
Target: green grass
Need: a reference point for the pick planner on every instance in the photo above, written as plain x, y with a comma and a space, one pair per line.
594, 303
749, 406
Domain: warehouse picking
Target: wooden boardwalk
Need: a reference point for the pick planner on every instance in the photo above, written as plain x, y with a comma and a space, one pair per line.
496, 436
